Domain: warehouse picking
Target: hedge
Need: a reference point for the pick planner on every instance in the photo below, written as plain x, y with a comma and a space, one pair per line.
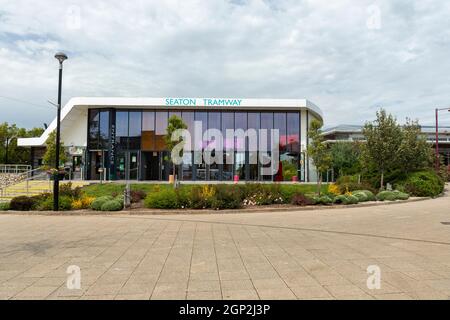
424, 184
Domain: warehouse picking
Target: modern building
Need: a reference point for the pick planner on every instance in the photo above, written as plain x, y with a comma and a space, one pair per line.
349, 133
123, 138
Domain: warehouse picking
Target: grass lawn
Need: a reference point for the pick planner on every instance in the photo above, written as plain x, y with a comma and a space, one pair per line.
97, 190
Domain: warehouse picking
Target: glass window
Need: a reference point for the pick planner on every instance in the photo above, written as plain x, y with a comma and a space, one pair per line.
240, 122
134, 132
187, 165
148, 131
293, 129
266, 123
160, 130
213, 123
188, 119
227, 123
94, 119
203, 117
279, 121
104, 130
254, 121
175, 113
122, 129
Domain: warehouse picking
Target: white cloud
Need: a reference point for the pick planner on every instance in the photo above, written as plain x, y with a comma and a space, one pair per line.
320, 50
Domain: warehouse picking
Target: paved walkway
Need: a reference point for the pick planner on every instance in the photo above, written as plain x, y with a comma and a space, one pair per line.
279, 255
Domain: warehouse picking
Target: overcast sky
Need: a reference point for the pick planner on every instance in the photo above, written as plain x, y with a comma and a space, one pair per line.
348, 57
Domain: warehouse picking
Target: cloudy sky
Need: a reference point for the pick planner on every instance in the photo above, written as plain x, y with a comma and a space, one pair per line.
348, 57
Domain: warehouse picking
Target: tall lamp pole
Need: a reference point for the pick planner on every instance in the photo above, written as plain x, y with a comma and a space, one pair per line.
61, 57
437, 135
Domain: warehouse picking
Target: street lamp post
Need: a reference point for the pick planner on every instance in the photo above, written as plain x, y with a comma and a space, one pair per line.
61, 57
437, 135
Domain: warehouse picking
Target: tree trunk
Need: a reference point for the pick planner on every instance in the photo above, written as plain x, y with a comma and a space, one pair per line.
319, 183
382, 180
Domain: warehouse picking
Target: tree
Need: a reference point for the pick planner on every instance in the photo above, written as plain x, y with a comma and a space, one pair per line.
345, 157
50, 153
9, 151
414, 152
318, 151
383, 141
175, 123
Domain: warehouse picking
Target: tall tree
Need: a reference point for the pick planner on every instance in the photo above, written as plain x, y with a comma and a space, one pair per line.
9, 151
318, 151
175, 123
414, 152
345, 157
50, 153
383, 140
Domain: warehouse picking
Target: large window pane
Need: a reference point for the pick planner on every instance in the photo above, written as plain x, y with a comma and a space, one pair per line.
203, 117
160, 130
227, 123
93, 123
279, 121
293, 128
188, 119
240, 122
254, 122
148, 131
104, 130
134, 132
266, 123
122, 129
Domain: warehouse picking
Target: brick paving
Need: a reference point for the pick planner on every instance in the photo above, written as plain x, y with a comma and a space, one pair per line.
320, 254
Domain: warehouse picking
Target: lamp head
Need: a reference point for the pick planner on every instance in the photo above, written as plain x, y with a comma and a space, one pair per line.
61, 56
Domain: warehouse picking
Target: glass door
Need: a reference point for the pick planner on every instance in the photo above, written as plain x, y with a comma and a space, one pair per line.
127, 167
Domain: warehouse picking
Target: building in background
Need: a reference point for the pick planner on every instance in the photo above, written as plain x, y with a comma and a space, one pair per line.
348, 133
123, 138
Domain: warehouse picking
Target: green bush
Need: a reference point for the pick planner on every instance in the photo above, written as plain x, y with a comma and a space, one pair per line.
401, 195
98, 202
346, 199
362, 197
340, 199
424, 184
162, 199
22, 203
112, 205
4, 206
386, 196
226, 197
369, 194
65, 189
323, 200
64, 203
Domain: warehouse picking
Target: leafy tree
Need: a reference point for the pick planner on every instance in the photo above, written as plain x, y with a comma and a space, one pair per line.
383, 141
318, 151
345, 157
9, 151
414, 152
175, 123
50, 153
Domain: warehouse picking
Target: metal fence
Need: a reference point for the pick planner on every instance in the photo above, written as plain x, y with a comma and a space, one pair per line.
14, 168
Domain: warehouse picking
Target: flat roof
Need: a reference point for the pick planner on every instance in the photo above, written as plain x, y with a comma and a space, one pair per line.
75, 106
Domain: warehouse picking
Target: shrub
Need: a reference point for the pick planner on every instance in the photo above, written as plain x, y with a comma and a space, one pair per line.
362, 197
299, 199
401, 195
334, 189
64, 203
65, 189
163, 199
352, 199
386, 196
83, 203
112, 205
346, 199
226, 197
98, 202
323, 200
22, 203
137, 195
424, 184
369, 194
4, 206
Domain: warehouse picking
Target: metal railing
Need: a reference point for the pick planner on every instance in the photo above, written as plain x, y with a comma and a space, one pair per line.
14, 168
32, 175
